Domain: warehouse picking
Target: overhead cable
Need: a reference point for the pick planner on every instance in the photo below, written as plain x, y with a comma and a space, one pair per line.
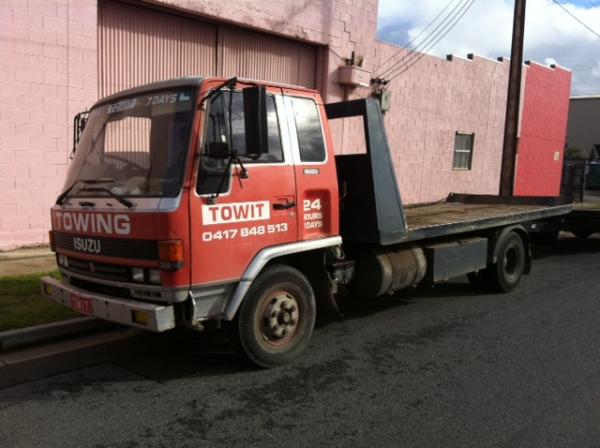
406, 46
591, 30
418, 56
432, 36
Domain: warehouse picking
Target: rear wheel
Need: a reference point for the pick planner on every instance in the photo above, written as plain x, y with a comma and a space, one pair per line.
277, 317
506, 273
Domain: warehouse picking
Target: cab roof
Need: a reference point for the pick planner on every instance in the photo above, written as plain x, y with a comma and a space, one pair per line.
189, 81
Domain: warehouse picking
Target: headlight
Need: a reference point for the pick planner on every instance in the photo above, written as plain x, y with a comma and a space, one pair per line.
154, 276
63, 261
137, 275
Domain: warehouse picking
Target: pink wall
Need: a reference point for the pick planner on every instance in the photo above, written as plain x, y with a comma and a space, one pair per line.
47, 74
543, 131
48, 59
430, 102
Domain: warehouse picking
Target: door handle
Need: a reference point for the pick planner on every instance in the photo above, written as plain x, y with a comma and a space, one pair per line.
284, 206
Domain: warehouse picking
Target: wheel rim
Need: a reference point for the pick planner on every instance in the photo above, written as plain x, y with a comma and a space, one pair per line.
279, 318
512, 261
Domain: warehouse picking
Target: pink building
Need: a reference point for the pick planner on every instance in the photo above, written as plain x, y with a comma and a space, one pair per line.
543, 130
58, 56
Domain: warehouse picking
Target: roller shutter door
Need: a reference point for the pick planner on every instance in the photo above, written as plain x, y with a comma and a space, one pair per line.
138, 45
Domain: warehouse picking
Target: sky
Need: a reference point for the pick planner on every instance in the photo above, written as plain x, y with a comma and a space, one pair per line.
551, 35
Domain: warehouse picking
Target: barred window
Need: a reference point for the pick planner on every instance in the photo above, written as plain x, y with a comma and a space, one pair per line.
463, 150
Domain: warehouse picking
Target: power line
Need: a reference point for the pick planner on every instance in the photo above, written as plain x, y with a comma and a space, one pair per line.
576, 18
432, 39
410, 42
420, 56
428, 39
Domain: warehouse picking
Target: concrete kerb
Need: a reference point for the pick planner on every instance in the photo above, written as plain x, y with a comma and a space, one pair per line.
26, 261
48, 332
25, 253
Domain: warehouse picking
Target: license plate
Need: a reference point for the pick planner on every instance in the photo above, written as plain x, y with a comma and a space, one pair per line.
82, 305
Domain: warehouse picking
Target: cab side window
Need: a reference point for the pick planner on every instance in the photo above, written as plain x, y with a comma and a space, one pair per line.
217, 130
308, 128
275, 153
211, 170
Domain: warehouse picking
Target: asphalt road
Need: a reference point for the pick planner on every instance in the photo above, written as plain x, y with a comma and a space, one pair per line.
439, 367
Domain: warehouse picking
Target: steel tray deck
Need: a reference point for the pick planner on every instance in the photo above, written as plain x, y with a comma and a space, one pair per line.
470, 213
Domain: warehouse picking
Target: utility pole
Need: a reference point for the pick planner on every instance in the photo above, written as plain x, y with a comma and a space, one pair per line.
511, 124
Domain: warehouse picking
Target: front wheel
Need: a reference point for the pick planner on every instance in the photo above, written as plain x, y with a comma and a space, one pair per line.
277, 317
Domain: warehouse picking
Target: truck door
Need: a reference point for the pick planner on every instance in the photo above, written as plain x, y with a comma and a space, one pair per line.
314, 166
251, 212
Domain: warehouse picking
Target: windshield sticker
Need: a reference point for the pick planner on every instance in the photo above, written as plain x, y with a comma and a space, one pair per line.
153, 100
167, 98
122, 105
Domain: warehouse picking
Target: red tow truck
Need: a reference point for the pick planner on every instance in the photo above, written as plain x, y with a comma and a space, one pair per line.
202, 201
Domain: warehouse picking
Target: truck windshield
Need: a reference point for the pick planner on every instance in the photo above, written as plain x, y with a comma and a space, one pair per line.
134, 147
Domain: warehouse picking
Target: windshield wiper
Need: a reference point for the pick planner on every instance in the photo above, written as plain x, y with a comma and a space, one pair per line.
61, 198
126, 202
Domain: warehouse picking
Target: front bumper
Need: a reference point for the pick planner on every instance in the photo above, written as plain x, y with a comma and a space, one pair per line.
123, 311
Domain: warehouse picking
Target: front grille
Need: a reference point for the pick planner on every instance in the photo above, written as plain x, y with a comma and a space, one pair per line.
98, 288
99, 270
115, 291
110, 247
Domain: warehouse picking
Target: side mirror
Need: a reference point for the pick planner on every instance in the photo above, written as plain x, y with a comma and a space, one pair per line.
79, 122
218, 150
255, 121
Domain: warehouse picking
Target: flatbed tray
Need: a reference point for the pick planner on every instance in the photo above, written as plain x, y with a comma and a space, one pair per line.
588, 212
461, 213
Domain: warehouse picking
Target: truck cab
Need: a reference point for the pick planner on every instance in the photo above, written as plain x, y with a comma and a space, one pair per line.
174, 203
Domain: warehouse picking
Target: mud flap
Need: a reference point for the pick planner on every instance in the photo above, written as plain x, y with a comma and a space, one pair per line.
327, 307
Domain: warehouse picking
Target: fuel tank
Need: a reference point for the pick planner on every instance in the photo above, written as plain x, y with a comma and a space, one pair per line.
384, 270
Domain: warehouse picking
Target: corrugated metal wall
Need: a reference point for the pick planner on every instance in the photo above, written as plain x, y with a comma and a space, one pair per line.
264, 57
139, 45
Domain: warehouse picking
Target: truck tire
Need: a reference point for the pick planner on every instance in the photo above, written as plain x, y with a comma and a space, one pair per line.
277, 317
506, 273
